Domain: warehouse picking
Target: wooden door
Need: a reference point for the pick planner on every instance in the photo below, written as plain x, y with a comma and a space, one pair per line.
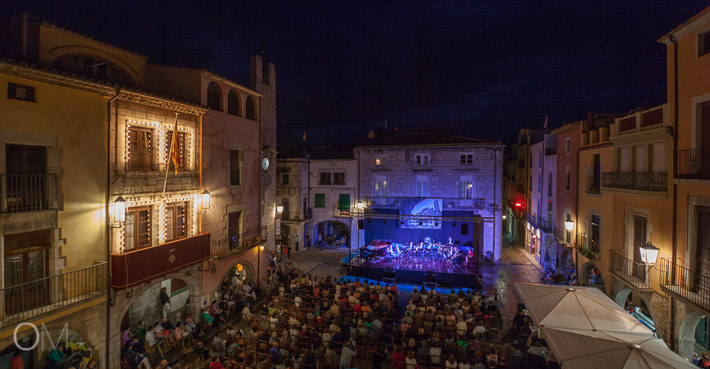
640, 225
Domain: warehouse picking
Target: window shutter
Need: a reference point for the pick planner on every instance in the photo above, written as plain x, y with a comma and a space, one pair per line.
641, 159
659, 157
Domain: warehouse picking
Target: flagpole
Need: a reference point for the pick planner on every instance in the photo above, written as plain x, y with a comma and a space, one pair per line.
170, 155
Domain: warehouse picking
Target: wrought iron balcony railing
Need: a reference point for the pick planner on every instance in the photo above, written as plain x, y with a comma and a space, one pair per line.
240, 242
29, 192
643, 181
633, 272
588, 247
694, 163
29, 300
561, 235
684, 283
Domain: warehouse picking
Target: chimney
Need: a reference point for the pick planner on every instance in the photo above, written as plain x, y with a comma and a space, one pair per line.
593, 137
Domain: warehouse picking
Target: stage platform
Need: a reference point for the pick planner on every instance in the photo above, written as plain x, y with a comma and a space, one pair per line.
414, 270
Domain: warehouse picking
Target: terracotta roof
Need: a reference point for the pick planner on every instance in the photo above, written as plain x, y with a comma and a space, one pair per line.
416, 137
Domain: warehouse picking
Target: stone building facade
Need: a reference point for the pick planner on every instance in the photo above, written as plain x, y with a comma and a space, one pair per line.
465, 173
333, 187
292, 194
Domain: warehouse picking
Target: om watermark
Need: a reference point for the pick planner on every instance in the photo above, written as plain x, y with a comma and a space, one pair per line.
40, 338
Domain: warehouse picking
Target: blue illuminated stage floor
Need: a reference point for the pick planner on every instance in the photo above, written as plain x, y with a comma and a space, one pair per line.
413, 270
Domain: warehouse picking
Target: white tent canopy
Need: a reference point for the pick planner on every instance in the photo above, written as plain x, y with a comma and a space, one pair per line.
577, 349
582, 308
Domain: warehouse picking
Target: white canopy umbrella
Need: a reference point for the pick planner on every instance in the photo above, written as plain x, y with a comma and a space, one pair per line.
577, 349
580, 308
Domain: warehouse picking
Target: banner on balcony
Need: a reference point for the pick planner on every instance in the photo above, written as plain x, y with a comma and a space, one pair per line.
139, 266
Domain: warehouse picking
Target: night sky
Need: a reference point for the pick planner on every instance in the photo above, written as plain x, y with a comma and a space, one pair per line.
485, 68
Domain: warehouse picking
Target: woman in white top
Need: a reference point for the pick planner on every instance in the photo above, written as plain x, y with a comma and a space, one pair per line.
464, 365
411, 361
451, 362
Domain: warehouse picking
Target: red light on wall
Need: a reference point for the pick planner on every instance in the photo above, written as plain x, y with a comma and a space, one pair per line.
518, 204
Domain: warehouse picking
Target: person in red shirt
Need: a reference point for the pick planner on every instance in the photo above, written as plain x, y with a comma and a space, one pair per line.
398, 358
394, 290
16, 361
216, 363
357, 309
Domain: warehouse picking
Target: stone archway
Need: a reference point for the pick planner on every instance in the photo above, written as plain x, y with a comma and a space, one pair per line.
586, 276
333, 232
79, 343
247, 268
621, 297
566, 261
686, 334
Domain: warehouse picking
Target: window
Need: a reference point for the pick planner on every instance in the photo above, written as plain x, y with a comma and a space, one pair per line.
658, 157
596, 174
214, 96
250, 108
235, 167
338, 178
381, 160
640, 158
466, 187
320, 200
325, 179
25, 186
468, 159
137, 229
594, 233
344, 201
20, 92
182, 165
539, 182
176, 220
624, 159
568, 146
285, 212
140, 149
284, 179
234, 103
380, 186
422, 159
539, 159
549, 184
568, 178
703, 43
422, 186
92, 68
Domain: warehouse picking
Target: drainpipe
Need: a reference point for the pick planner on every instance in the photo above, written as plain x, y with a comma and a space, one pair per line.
108, 226
675, 186
199, 162
573, 237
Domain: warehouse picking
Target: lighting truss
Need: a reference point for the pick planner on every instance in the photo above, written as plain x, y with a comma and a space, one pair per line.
372, 215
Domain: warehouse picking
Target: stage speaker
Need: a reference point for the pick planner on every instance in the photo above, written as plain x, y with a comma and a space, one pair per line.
430, 280
360, 224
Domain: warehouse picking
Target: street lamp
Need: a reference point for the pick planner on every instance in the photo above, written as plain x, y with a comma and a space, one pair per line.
279, 209
119, 210
649, 253
205, 199
569, 225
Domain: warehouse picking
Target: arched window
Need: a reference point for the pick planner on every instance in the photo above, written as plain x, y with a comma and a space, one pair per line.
92, 67
214, 96
250, 108
234, 104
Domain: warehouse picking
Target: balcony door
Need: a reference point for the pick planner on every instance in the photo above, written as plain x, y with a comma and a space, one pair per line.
25, 169
640, 225
234, 229
26, 271
704, 153
703, 244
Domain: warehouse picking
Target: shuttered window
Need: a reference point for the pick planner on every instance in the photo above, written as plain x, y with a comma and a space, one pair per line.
641, 159
659, 157
624, 159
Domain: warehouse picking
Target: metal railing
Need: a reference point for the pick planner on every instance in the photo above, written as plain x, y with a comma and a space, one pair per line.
29, 192
31, 299
643, 181
240, 242
588, 247
694, 163
687, 284
633, 272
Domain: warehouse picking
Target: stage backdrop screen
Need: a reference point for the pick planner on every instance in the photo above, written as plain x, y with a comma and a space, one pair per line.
420, 206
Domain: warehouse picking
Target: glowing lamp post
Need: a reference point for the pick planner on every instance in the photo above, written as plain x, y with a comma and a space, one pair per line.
569, 225
205, 199
119, 210
649, 253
